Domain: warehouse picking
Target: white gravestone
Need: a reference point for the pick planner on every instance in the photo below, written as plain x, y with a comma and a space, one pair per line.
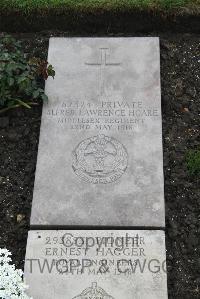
105, 264
100, 151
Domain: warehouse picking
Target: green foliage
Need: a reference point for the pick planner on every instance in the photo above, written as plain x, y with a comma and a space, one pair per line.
20, 77
27, 6
193, 162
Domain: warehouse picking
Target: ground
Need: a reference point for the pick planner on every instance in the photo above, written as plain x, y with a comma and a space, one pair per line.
19, 133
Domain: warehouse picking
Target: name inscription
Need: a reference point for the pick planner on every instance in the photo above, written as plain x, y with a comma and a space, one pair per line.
104, 115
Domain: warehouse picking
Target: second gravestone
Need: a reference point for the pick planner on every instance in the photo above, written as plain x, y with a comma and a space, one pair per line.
103, 264
100, 151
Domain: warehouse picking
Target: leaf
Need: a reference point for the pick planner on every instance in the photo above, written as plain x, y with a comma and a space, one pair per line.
36, 94
11, 81
25, 85
50, 71
23, 104
21, 79
11, 103
34, 60
44, 97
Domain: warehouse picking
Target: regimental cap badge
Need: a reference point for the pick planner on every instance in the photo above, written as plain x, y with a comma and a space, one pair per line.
94, 292
100, 159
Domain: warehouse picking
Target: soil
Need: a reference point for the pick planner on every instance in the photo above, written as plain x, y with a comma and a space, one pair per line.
180, 75
95, 20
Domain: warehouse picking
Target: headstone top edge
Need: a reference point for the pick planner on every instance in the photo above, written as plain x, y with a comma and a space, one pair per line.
104, 37
100, 230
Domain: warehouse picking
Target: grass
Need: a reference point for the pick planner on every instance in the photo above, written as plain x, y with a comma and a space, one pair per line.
26, 6
193, 162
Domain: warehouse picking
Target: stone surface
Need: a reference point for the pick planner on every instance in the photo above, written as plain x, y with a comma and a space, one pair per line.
105, 264
100, 151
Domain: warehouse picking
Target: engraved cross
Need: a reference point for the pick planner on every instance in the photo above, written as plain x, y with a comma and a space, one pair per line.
102, 67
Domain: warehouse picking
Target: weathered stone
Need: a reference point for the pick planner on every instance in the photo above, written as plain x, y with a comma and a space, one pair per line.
106, 264
100, 152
